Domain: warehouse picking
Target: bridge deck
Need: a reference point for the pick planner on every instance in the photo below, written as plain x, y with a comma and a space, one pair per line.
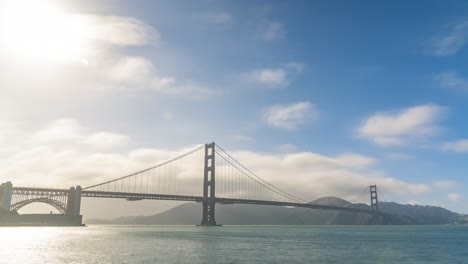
140, 196
291, 204
169, 197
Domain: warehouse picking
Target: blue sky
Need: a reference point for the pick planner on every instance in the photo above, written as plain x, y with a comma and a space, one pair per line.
380, 83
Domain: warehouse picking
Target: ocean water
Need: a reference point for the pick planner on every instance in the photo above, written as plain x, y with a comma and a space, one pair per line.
234, 244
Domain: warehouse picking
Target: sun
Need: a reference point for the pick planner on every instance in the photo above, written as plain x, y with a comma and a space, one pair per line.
41, 30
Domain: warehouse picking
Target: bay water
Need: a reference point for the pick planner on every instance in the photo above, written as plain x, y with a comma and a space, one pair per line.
234, 244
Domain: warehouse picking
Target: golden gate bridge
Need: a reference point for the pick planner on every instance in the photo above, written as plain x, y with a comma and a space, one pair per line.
207, 174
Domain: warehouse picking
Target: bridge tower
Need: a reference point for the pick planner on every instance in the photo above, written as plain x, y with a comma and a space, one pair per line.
6, 193
209, 187
374, 201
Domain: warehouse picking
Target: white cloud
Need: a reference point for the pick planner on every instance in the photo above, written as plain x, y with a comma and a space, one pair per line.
138, 73
131, 70
276, 77
290, 116
271, 77
455, 197
106, 140
460, 146
58, 131
273, 31
67, 130
453, 41
453, 80
396, 128
353, 160
446, 185
120, 31
8, 129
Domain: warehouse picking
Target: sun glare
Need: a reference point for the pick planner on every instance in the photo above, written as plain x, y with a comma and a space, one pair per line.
42, 30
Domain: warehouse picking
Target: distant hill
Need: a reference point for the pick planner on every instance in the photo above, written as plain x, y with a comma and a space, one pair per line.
429, 215
239, 214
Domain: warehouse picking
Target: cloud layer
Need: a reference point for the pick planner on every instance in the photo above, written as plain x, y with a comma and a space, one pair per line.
312, 175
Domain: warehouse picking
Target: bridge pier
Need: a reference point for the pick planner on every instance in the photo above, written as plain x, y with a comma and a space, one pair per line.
74, 201
6, 193
70, 198
77, 201
209, 187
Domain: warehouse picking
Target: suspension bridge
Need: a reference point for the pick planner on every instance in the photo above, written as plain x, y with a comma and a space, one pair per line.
207, 174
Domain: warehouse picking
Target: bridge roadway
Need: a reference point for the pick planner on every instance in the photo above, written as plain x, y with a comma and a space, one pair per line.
168, 197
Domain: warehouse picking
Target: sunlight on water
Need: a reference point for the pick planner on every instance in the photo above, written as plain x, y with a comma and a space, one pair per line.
35, 244
234, 244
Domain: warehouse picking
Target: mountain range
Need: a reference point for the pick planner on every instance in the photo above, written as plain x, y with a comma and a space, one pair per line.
239, 214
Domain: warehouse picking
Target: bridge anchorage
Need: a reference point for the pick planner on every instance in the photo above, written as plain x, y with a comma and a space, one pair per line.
206, 175
66, 202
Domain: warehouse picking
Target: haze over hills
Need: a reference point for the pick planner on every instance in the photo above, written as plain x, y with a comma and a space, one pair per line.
236, 214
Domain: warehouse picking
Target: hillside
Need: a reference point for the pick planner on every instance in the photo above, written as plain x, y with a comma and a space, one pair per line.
237, 214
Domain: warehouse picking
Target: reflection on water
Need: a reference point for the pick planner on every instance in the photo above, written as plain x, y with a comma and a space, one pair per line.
234, 244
